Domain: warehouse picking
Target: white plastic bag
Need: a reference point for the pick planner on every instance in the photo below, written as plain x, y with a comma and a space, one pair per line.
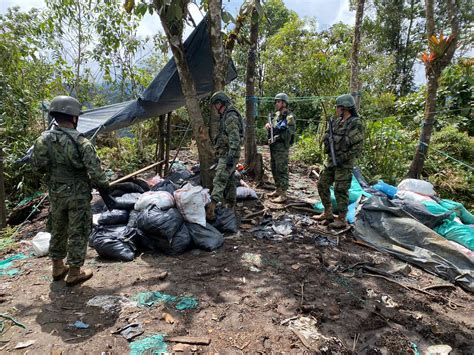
419, 186
160, 199
412, 196
191, 201
245, 193
40, 243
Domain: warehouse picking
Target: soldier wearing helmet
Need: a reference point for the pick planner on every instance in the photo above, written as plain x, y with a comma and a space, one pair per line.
227, 146
348, 141
284, 127
71, 165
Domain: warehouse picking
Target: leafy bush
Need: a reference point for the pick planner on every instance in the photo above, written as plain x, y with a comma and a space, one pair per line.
308, 149
451, 180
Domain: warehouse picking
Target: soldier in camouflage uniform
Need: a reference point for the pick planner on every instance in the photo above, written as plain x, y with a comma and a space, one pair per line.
348, 136
71, 165
227, 147
284, 128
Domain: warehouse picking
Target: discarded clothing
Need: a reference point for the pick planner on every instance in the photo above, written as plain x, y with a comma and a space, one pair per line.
385, 226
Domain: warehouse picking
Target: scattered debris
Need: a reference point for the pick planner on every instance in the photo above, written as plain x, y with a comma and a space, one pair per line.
130, 331
168, 318
389, 302
80, 325
25, 344
110, 304
324, 241
12, 320
154, 344
438, 350
189, 340
149, 299
6, 264
252, 259
305, 329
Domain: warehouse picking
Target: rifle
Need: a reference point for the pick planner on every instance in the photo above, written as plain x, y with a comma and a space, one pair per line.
270, 141
331, 143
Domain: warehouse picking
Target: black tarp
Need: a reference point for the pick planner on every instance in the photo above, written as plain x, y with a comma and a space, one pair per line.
385, 226
164, 93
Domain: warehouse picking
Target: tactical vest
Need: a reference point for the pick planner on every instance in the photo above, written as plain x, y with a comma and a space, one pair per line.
61, 168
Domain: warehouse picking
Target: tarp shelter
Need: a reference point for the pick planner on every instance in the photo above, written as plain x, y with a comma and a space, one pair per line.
164, 93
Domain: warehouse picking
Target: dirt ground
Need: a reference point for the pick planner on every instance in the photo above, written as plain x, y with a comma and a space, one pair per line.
251, 292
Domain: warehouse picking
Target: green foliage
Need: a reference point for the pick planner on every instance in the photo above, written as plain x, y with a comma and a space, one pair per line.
308, 150
452, 180
127, 157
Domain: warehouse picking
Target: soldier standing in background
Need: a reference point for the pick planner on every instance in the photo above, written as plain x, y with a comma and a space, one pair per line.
347, 141
282, 134
72, 167
227, 147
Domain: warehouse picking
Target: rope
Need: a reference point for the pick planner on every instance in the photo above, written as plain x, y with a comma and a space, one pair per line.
447, 155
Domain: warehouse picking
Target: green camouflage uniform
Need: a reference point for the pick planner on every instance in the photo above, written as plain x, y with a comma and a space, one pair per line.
228, 141
348, 143
71, 165
279, 150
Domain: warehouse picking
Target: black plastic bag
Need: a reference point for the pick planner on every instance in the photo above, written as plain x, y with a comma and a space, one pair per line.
114, 242
163, 231
132, 219
142, 183
127, 201
179, 177
225, 220
155, 222
128, 187
165, 185
113, 217
419, 212
206, 238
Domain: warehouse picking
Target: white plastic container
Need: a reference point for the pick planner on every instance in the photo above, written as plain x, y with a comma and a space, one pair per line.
40, 244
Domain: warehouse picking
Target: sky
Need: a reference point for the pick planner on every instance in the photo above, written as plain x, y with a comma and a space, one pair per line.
327, 12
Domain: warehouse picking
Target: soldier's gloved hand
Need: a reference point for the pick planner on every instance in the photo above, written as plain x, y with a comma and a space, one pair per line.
108, 200
230, 161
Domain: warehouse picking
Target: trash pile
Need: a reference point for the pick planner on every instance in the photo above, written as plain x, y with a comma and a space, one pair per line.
412, 223
161, 215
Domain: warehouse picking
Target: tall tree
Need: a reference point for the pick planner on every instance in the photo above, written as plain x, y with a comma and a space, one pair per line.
73, 21
218, 57
172, 15
441, 52
253, 160
355, 84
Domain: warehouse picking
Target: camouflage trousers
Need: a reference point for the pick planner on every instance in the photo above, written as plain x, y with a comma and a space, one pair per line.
279, 164
70, 223
224, 189
341, 178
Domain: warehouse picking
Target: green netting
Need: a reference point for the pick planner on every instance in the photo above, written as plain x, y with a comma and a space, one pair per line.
150, 298
151, 345
6, 264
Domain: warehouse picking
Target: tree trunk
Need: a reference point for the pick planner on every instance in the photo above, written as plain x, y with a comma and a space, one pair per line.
3, 207
200, 131
355, 84
405, 69
253, 160
218, 58
168, 143
433, 72
425, 136
161, 143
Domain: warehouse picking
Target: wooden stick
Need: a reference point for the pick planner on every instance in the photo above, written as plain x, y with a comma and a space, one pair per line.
136, 172
189, 340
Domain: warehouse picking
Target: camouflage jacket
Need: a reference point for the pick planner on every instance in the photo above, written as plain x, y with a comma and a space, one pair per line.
231, 133
348, 141
284, 126
69, 161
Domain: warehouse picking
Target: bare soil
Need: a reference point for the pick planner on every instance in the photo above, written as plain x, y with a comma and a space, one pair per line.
243, 307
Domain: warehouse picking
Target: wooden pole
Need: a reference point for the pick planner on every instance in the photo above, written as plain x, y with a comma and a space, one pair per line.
137, 172
168, 142
161, 149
